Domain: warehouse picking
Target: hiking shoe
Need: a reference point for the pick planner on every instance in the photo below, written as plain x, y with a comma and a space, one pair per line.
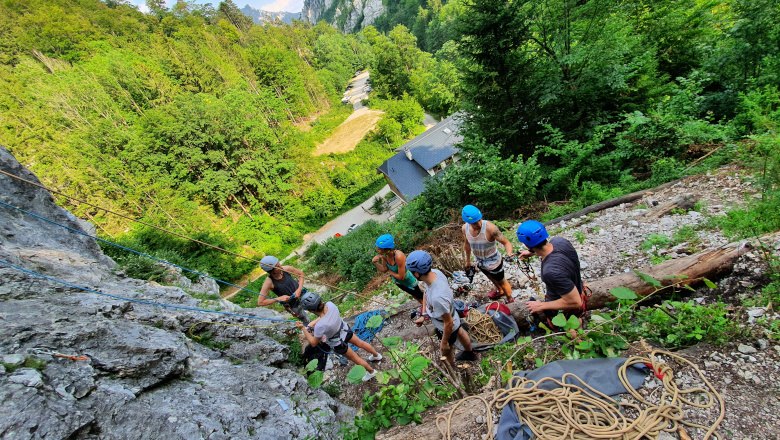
376, 358
368, 376
466, 356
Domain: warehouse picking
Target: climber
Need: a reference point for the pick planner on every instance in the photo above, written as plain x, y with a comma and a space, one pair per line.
439, 305
393, 262
284, 286
329, 328
480, 238
560, 272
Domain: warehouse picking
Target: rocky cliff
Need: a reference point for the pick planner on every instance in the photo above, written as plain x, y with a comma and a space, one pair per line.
345, 15
144, 371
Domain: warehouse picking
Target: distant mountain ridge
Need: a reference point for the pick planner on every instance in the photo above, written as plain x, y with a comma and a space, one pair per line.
345, 15
260, 16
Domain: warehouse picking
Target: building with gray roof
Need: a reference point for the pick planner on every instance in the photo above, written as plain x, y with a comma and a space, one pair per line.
423, 157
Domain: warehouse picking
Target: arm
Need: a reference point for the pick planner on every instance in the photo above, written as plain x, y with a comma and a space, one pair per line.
313, 341
262, 299
298, 273
466, 247
569, 301
496, 235
378, 263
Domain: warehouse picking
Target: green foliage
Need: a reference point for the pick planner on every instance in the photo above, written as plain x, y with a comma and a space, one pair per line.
356, 373
406, 392
676, 324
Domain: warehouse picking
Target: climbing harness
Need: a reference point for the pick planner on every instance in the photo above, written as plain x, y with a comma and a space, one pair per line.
580, 412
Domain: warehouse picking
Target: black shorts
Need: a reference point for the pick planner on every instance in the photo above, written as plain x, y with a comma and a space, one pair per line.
453, 336
414, 291
343, 347
495, 275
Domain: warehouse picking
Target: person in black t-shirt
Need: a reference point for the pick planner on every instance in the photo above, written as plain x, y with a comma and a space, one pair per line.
560, 270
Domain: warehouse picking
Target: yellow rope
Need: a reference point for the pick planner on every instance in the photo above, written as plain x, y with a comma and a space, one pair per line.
482, 327
580, 412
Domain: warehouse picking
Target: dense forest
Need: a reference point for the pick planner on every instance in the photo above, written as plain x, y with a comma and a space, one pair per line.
194, 119
577, 102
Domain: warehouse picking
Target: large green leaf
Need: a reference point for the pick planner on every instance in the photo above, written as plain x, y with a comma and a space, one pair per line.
623, 293
648, 279
315, 379
374, 321
392, 341
418, 364
356, 374
559, 320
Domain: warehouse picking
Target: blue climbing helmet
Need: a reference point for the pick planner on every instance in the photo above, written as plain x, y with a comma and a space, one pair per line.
419, 261
471, 214
532, 233
385, 242
268, 263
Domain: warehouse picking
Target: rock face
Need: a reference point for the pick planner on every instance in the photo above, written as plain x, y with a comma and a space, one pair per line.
345, 15
146, 371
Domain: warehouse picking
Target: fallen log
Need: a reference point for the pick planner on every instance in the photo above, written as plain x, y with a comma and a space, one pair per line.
685, 271
628, 198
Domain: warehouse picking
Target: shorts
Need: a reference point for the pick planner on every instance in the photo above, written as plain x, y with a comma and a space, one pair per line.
496, 275
453, 336
414, 291
343, 347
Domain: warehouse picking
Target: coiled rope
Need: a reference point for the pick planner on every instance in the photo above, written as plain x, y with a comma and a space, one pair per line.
482, 327
577, 411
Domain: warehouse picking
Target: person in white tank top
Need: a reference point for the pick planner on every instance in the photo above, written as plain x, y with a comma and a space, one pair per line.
481, 239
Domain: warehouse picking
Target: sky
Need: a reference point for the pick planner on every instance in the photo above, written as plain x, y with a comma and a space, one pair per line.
267, 5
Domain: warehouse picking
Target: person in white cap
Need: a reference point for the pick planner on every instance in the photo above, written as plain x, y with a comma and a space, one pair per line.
287, 289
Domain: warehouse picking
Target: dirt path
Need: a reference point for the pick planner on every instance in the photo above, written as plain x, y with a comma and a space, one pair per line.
347, 135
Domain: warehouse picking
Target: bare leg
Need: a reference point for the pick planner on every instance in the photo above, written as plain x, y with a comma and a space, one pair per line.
359, 343
464, 339
351, 355
506, 288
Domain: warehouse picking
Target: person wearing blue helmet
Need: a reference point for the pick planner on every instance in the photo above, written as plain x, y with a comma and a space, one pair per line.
560, 271
481, 239
392, 261
440, 306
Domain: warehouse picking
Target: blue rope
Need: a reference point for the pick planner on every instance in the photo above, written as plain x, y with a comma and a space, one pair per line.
361, 331
139, 301
117, 245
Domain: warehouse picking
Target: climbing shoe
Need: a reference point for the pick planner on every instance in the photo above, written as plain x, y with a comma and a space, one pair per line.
466, 356
376, 358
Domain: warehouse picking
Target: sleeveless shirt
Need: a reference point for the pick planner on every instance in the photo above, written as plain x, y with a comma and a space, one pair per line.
485, 251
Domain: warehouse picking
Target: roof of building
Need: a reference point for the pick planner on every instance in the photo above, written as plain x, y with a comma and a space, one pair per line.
437, 143
428, 150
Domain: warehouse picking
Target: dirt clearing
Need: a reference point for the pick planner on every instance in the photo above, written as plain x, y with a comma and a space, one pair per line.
347, 135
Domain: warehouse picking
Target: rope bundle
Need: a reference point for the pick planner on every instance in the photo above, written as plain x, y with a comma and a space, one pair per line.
482, 327
580, 412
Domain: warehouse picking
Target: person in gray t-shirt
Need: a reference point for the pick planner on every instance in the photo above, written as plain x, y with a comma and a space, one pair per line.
330, 329
439, 306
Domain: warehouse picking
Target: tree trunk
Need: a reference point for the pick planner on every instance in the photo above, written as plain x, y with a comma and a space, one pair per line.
690, 270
